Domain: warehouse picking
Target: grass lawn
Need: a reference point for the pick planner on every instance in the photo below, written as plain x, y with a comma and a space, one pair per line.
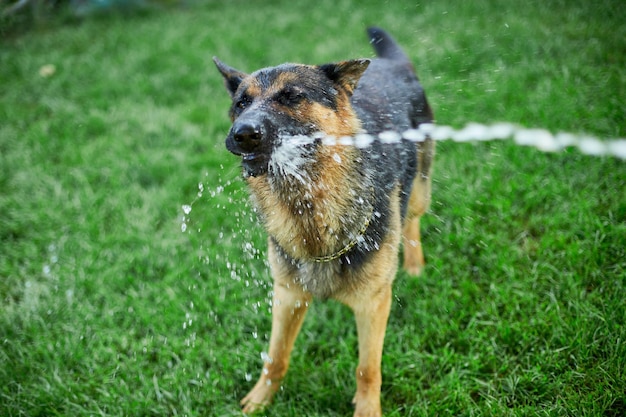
116, 301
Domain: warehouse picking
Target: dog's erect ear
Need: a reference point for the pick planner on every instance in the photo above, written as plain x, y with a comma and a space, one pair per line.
346, 73
232, 77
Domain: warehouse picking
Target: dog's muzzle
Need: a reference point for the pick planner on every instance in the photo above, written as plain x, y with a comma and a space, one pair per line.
248, 139
247, 136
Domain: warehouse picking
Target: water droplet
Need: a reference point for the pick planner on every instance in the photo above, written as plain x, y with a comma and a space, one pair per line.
266, 358
363, 140
592, 146
618, 148
389, 137
346, 141
414, 135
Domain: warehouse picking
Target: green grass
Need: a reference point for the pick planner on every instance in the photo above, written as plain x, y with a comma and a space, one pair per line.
108, 308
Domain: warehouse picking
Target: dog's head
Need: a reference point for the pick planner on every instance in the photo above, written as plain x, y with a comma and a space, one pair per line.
290, 100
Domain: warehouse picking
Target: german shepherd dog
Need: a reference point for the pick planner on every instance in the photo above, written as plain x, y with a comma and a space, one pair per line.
335, 214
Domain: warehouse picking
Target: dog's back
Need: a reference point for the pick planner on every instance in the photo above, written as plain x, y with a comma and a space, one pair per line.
389, 97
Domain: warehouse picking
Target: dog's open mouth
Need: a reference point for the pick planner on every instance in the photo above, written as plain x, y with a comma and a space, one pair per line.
254, 164
248, 157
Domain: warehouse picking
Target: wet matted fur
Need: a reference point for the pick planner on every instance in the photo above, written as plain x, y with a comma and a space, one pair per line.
335, 214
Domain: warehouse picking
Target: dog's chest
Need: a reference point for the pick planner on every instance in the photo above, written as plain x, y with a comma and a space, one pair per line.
324, 280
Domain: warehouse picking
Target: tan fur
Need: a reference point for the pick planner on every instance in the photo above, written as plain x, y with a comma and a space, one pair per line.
419, 202
342, 123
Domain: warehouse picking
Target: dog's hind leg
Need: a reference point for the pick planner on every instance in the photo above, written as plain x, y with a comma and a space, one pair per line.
289, 307
413, 252
419, 201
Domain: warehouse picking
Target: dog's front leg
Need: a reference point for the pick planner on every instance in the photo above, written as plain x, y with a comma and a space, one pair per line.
289, 307
371, 312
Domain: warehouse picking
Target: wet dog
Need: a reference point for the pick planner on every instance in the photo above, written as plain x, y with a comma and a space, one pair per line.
335, 214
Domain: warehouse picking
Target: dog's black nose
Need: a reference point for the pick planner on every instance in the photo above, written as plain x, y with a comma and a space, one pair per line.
247, 135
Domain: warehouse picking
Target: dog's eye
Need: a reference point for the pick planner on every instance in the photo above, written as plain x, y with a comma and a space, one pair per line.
290, 97
243, 102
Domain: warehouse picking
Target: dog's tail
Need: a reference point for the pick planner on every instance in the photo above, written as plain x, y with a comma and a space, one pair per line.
384, 45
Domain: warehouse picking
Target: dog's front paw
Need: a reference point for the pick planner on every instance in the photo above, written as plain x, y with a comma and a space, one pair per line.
260, 396
367, 410
367, 406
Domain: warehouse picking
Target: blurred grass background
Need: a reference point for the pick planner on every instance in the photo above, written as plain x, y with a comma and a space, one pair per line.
110, 124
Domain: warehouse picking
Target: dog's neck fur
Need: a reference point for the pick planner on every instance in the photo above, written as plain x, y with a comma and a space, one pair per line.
312, 219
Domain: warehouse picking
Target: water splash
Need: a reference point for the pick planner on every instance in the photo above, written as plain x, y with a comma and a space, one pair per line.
266, 358
53, 259
291, 155
541, 139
